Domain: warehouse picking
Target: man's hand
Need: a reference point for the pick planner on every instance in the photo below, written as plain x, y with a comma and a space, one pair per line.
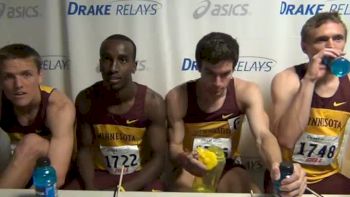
191, 164
293, 185
275, 171
316, 69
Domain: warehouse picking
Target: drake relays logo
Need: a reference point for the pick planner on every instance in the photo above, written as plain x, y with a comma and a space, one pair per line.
55, 62
115, 7
297, 8
244, 64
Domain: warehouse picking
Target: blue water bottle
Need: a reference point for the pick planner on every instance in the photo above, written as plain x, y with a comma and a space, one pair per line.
286, 169
338, 66
44, 178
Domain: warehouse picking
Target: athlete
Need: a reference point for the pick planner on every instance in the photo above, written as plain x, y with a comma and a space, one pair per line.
209, 111
311, 106
36, 120
121, 124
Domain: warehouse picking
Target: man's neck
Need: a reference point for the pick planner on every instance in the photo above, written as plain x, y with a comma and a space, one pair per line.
328, 78
123, 95
123, 99
207, 101
27, 114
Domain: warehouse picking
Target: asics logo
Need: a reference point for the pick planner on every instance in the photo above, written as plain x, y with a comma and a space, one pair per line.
131, 121
336, 104
225, 116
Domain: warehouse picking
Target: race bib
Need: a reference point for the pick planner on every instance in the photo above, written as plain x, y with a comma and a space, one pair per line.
234, 123
116, 157
205, 142
314, 149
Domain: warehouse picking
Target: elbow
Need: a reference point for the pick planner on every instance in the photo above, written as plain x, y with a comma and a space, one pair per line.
61, 178
285, 142
173, 151
60, 181
160, 158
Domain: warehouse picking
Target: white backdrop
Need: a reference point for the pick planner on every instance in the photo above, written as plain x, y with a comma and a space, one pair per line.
68, 35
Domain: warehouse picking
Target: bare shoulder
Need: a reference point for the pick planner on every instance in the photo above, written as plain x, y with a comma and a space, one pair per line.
248, 94
176, 102
286, 78
155, 107
153, 98
60, 103
60, 113
83, 101
245, 88
177, 94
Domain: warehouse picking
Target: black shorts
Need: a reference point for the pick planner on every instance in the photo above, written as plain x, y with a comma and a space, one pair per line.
335, 184
103, 180
230, 164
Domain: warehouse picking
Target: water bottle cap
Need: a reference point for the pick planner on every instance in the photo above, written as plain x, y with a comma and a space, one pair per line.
287, 167
42, 161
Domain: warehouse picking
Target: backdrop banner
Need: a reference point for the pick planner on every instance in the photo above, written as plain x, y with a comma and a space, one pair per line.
68, 35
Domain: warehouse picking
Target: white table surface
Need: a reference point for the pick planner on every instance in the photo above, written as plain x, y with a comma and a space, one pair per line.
78, 193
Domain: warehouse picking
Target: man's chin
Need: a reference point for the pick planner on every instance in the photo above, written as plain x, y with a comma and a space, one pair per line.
217, 93
20, 103
115, 87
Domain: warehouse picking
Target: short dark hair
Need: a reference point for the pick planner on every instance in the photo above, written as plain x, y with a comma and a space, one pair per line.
215, 47
318, 20
19, 51
120, 37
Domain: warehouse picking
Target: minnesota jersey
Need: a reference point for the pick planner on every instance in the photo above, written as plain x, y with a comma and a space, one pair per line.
118, 138
11, 125
221, 128
318, 147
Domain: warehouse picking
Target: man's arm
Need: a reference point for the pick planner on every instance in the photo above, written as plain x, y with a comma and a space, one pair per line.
251, 102
291, 102
85, 140
60, 120
176, 106
250, 99
291, 98
156, 137
176, 102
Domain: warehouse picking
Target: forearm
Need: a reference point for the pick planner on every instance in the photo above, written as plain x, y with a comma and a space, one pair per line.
177, 154
61, 157
269, 150
295, 119
150, 172
86, 167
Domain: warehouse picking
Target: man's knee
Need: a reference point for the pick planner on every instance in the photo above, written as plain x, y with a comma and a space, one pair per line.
32, 146
237, 180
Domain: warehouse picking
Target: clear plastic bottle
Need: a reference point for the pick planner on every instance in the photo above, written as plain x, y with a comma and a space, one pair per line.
44, 178
208, 182
286, 169
338, 66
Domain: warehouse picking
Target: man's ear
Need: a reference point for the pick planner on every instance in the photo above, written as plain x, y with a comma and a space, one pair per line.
303, 46
99, 65
198, 67
40, 75
134, 67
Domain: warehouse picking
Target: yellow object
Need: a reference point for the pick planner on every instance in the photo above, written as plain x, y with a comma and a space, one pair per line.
121, 188
207, 157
